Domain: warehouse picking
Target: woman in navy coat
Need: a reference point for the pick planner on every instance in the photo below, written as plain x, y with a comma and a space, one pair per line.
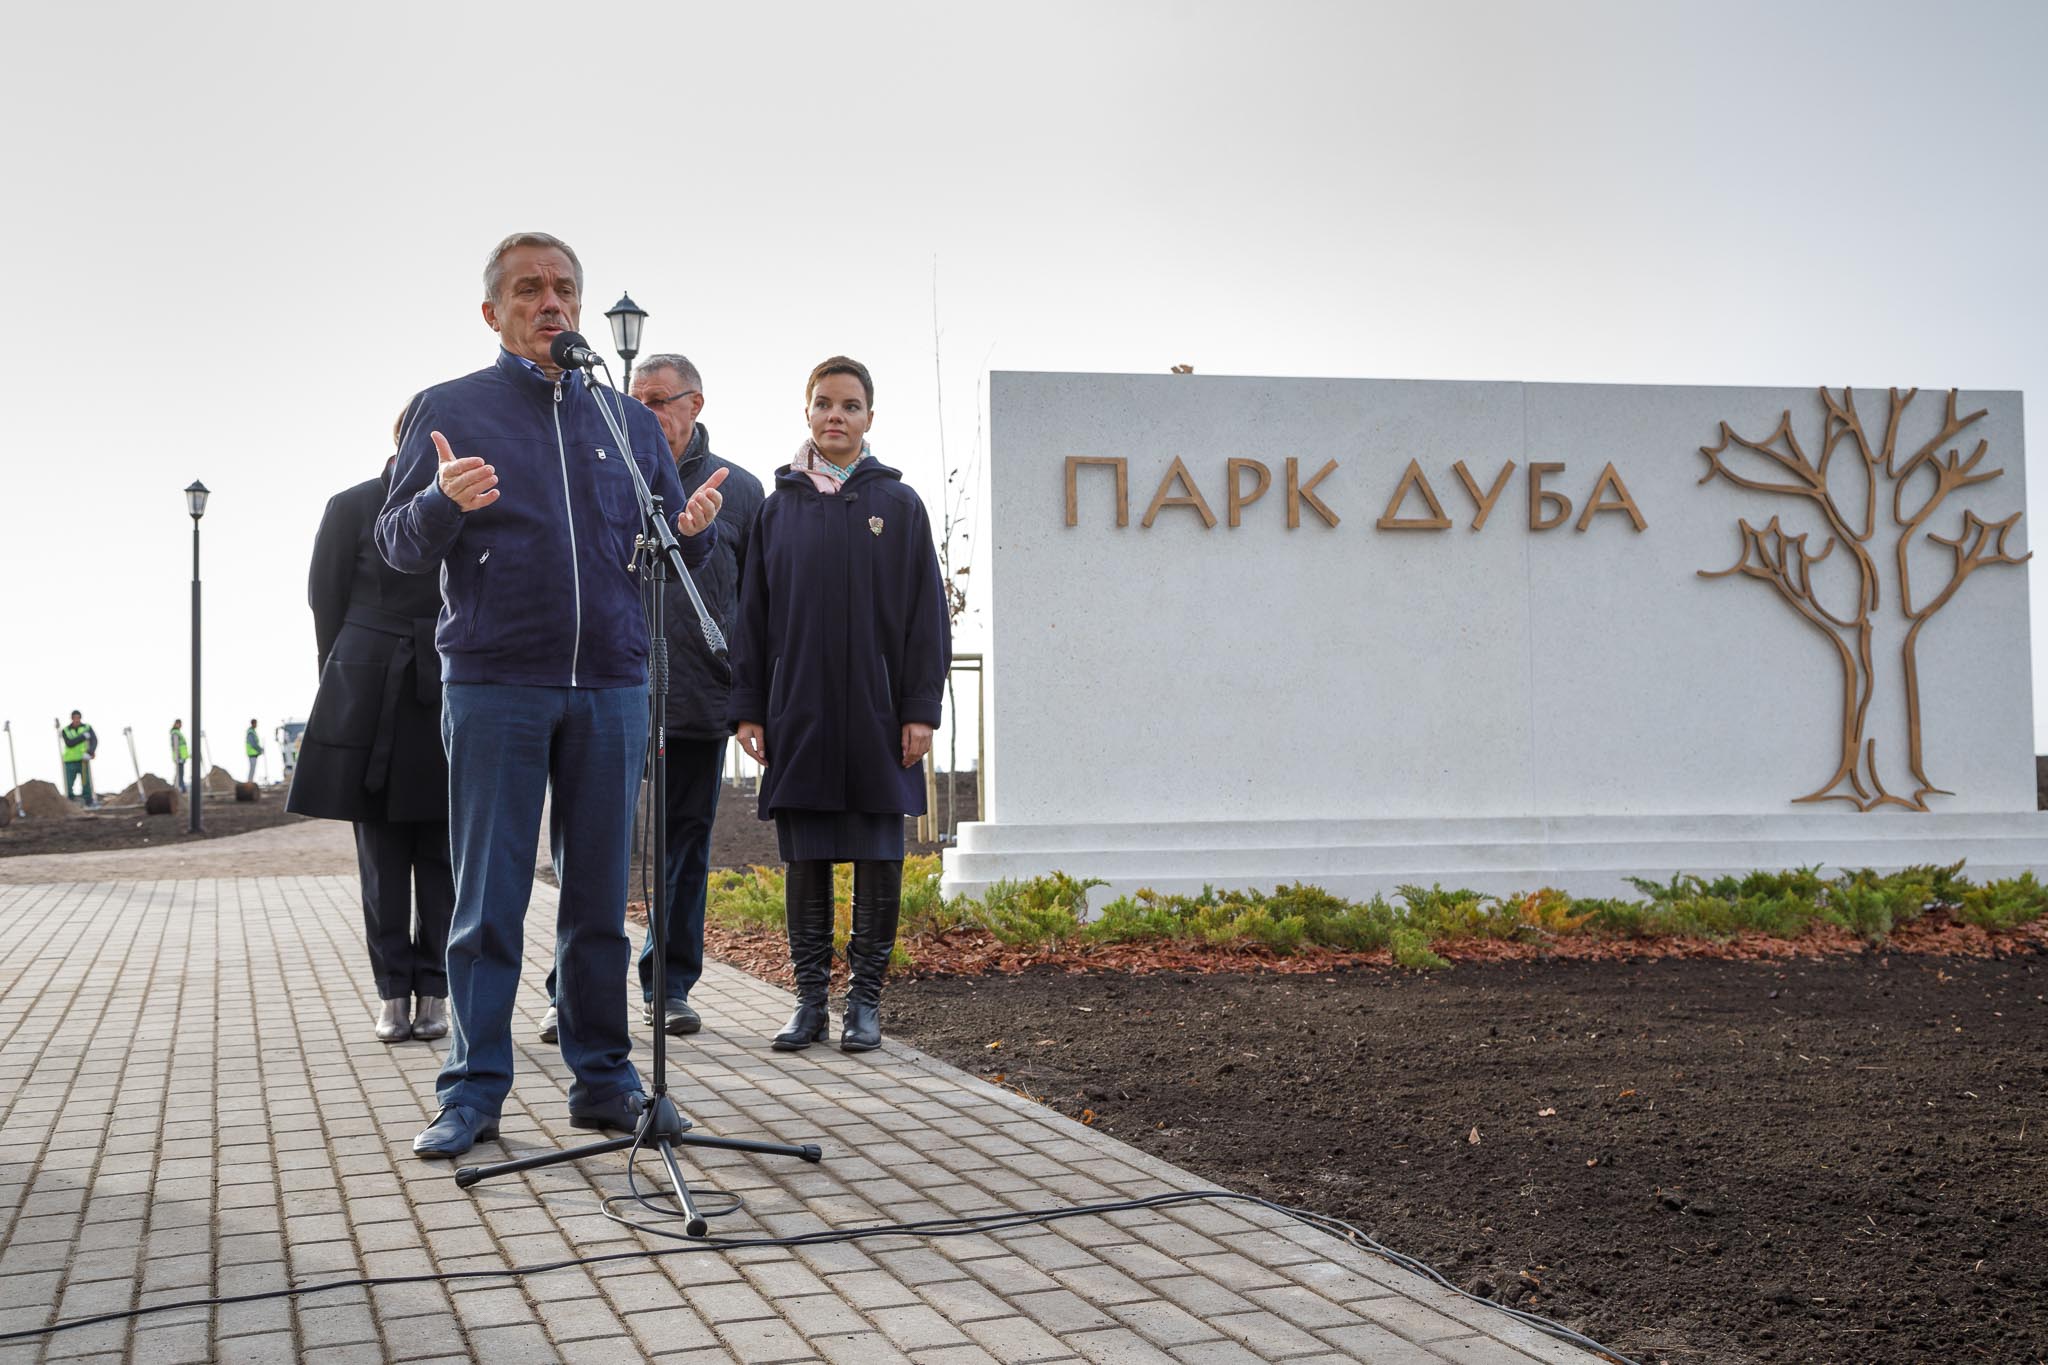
839, 664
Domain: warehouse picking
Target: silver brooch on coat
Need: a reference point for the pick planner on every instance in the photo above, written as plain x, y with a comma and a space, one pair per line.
875, 525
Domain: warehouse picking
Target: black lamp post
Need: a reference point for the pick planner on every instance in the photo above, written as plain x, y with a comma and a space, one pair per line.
195, 503
626, 318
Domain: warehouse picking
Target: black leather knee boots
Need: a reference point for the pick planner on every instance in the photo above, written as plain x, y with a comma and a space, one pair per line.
807, 904
877, 903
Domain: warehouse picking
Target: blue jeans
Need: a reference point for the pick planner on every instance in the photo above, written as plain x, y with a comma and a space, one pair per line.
696, 771
505, 745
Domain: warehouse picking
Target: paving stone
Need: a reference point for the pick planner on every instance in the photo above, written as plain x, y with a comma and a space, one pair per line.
174, 1341
1267, 1334
916, 1327
365, 1353
1165, 1323
670, 1329
336, 1325
859, 1348
498, 1307
1367, 1342
964, 1300
1523, 1338
1017, 1340
722, 1303
522, 1345
1119, 1347
764, 1341
1407, 1318
954, 1355
269, 1348
819, 1315
1062, 1312
1226, 1353
1302, 1307
580, 1320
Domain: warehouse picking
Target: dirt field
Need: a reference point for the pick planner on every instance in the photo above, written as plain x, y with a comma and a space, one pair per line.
107, 829
1692, 1161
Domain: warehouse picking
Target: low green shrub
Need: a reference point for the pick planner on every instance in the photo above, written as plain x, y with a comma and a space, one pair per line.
1411, 950
749, 898
1053, 910
2004, 904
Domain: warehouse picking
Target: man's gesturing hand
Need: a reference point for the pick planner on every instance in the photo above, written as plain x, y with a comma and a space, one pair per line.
702, 508
468, 483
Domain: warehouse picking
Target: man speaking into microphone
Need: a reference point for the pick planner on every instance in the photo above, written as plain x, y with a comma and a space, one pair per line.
510, 484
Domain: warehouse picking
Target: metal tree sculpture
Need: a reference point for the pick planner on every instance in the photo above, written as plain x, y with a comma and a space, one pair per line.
1782, 559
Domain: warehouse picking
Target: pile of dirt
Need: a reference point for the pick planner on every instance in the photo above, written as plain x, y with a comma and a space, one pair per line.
219, 783
1799, 1160
136, 792
42, 801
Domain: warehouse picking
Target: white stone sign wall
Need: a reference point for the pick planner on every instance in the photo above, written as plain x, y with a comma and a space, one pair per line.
1534, 690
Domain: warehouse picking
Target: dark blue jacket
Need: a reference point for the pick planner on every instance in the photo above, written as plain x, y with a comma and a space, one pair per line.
843, 640
697, 694
536, 588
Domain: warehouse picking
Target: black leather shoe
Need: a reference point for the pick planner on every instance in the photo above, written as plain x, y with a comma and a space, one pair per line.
812, 1023
455, 1130
861, 1030
620, 1112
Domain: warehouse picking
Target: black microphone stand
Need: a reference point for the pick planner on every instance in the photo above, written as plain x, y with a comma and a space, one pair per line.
662, 1126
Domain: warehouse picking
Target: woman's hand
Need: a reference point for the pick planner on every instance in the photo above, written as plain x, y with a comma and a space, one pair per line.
917, 742
754, 740
702, 508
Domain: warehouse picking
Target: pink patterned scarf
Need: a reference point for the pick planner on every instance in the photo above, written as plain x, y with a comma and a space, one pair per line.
825, 476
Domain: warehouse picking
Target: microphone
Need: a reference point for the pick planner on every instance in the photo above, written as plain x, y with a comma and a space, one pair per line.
570, 351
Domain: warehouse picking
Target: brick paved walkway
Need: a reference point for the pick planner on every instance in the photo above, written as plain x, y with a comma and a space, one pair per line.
191, 1104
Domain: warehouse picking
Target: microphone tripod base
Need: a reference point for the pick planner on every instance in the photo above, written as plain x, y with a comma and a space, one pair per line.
663, 1128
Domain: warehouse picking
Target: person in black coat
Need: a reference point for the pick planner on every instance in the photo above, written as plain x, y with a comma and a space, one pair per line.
372, 754
671, 387
839, 666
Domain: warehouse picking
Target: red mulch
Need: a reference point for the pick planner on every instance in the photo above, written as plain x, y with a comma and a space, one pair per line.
963, 952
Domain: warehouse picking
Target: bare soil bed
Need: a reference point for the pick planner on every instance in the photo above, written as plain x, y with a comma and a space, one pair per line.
1839, 1158
110, 828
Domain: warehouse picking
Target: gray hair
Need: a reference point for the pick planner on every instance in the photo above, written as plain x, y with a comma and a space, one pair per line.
494, 268
685, 373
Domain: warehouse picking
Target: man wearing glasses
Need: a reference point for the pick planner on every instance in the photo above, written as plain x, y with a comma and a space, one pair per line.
697, 732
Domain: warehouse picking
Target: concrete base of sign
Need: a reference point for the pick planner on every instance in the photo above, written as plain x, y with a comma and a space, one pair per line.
1586, 855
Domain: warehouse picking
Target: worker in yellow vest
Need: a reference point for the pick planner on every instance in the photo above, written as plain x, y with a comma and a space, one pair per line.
253, 747
81, 746
180, 751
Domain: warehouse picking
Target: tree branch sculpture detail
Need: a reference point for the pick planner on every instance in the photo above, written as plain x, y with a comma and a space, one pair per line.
1780, 466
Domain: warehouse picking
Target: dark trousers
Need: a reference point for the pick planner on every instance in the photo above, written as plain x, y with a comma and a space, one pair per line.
74, 769
405, 866
179, 764
696, 770
506, 746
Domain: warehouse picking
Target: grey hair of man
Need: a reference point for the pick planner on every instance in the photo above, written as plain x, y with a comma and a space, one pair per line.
494, 268
678, 365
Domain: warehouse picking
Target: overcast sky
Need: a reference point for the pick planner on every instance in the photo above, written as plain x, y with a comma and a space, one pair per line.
241, 236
